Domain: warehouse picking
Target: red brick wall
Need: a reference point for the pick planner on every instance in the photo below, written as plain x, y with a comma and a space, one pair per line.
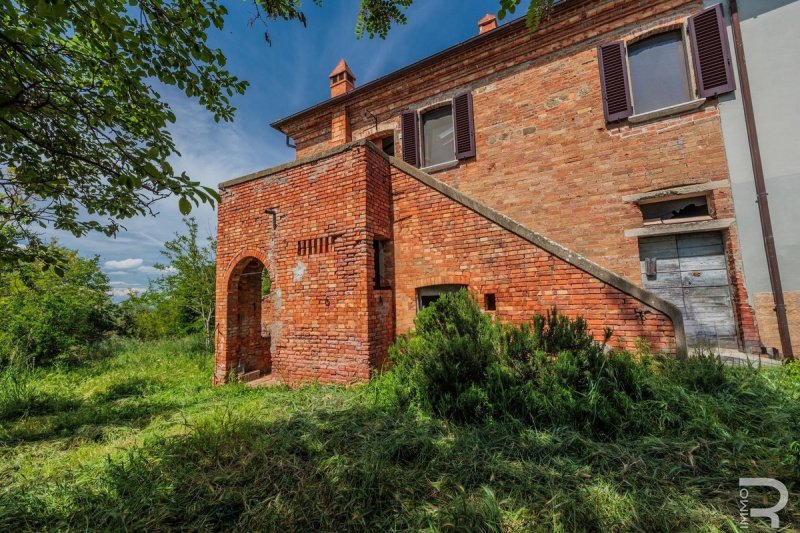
327, 320
319, 326
545, 156
439, 241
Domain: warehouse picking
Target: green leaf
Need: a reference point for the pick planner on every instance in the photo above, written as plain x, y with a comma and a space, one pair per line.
185, 206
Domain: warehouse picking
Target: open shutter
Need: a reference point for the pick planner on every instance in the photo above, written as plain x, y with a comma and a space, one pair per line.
711, 53
464, 125
614, 81
410, 138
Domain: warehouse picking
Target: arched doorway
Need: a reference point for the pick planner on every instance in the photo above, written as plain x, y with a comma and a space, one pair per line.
248, 337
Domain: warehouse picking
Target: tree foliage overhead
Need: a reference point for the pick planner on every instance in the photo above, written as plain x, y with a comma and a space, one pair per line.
84, 132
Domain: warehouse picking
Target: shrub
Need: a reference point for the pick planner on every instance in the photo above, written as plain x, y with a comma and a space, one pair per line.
44, 314
460, 365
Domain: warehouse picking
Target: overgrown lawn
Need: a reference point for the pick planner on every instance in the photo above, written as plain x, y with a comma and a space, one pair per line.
140, 441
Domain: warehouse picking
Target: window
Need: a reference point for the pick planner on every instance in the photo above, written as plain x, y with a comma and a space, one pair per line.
438, 144
379, 256
659, 73
427, 295
651, 75
490, 302
678, 210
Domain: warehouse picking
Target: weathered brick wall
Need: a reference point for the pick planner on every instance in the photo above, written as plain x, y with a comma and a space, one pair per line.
317, 256
440, 241
545, 156
379, 224
768, 323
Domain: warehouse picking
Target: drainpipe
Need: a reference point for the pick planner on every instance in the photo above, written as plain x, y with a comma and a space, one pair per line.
761, 188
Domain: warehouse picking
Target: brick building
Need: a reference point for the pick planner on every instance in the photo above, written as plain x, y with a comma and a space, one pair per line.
581, 166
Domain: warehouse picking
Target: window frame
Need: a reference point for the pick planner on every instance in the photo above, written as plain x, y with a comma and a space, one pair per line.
694, 101
662, 222
421, 136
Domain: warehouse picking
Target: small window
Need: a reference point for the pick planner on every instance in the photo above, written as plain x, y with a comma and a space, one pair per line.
438, 145
680, 210
490, 302
658, 70
427, 295
379, 255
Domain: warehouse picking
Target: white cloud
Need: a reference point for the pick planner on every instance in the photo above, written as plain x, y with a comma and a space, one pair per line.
125, 264
119, 292
117, 273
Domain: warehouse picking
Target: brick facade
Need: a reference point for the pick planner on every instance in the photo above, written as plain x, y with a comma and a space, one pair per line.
545, 155
325, 319
548, 169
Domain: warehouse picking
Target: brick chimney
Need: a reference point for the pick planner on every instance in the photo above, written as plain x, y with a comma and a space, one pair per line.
487, 23
342, 79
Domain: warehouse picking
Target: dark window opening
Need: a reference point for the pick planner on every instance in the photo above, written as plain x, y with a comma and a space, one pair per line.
387, 145
490, 302
379, 257
658, 71
438, 144
675, 210
428, 295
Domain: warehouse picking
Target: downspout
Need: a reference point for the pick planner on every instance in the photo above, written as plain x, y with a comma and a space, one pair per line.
761, 188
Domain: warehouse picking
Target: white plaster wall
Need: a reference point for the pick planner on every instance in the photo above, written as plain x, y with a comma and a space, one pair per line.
771, 35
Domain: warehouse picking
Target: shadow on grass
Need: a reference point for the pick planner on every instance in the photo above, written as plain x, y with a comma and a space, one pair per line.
35, 415
366, 468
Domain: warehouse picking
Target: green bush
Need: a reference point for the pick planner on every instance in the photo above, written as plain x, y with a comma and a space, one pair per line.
44, 314
461, 365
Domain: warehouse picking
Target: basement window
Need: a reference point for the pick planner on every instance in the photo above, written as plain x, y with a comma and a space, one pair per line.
427, 295
678, 210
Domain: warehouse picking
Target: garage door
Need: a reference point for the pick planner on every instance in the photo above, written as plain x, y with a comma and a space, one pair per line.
691, 272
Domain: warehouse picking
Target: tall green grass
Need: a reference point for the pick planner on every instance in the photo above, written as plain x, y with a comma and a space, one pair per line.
140, 441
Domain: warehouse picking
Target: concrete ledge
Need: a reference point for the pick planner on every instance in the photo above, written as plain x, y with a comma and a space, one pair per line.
680, 227
666, 111
646, 297
644, 197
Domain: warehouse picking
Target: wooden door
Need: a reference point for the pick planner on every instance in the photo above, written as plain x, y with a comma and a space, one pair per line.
691, 272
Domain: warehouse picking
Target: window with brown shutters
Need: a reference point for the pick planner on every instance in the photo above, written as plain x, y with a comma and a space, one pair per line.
463, 122
711, 53
410, 138
614, 81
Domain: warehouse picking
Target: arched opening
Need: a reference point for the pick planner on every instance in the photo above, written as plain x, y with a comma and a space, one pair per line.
248, 334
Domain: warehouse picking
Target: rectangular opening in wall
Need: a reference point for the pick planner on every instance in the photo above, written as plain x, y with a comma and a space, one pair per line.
379, 263
490, 302
387, 145
677, 210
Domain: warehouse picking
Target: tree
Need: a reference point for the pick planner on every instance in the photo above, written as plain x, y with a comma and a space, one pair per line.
84, 139
190, 278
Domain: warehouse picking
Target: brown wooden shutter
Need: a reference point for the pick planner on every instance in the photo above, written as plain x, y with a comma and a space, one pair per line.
464, 125
410, 138
711, 53
614, 81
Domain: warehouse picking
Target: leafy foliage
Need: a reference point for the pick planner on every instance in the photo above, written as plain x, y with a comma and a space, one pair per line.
84, 138
181, 301
45, 314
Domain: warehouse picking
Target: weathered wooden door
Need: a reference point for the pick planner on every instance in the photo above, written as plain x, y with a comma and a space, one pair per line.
691, 272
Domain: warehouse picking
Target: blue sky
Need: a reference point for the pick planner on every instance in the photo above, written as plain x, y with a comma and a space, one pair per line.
284, 78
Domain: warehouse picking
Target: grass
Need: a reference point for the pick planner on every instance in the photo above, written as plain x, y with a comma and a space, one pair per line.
140, 441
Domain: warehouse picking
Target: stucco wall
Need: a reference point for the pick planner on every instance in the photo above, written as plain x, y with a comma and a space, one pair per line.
772, 46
